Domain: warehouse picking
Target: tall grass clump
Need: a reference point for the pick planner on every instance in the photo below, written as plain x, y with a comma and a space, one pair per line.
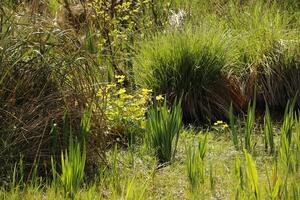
162, 130
72, 167
39, 80
267, 49
73, 159
189, 63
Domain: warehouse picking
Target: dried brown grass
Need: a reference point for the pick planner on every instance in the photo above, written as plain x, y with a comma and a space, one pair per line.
43, 72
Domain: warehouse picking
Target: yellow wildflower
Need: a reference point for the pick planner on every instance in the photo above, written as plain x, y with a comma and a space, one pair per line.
120, 80
111, 86
159, 98
121, 91
128, 96
146, 91
120, 77
99, 94
143, 124
218, 122
225, 126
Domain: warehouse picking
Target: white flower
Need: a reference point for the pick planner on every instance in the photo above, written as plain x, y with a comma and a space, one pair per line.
176, 19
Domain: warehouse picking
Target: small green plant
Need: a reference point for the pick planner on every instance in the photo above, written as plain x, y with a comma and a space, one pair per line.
134, 191
240, 179
275, 182
297, 144
162, 130
53, 6
249, 126
233, 128
288, 121
252, 176
72, 165
114, 172
239, 175
212, 179
284, 153
18, 174
220, 126
195, 164
268, 131
195, 168
74, 158
202, 146
288, 141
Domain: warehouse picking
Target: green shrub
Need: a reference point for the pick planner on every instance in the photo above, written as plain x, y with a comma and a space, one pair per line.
162, 130
189, 63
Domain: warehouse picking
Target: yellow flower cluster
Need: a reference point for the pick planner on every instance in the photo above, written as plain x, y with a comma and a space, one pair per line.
159, 98
120, 78
122, 108
220, 125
